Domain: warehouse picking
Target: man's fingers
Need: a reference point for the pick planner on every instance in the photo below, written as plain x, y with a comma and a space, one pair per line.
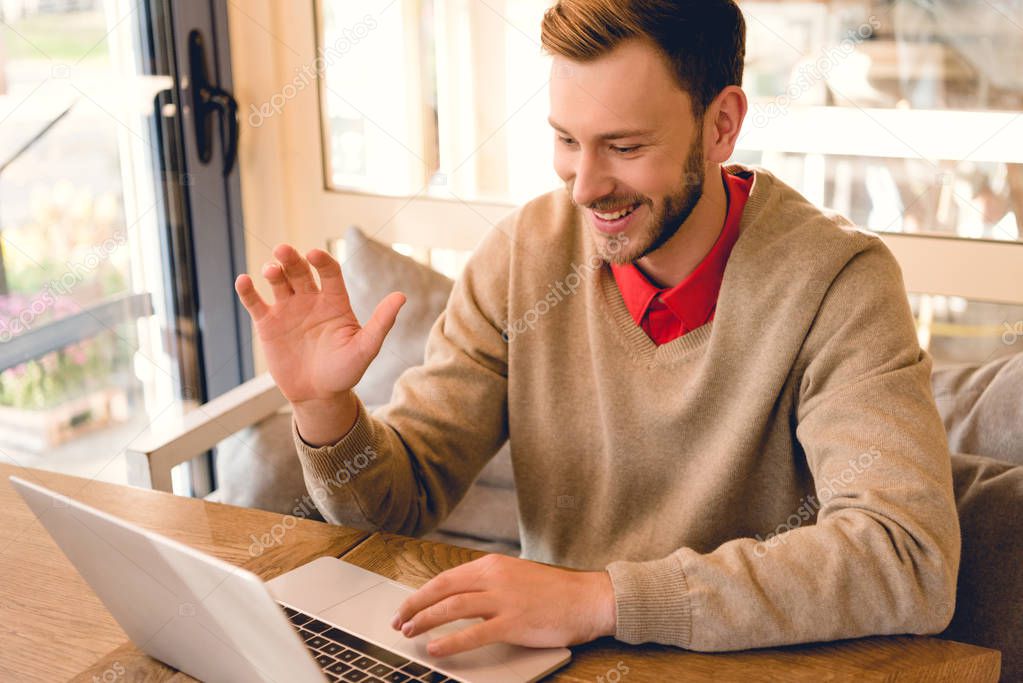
460, 606
465, 578
442, 586
382, 320
469, 638
329, 270
250, 298
296, 269
274, 274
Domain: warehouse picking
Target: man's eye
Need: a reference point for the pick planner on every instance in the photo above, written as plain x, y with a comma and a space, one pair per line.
566, 141
625, 150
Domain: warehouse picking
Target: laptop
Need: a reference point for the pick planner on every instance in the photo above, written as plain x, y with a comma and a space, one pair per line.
327, 620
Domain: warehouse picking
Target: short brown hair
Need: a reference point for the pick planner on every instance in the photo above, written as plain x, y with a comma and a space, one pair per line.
703, 40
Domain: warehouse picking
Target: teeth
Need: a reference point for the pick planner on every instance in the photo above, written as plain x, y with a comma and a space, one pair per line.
618, 214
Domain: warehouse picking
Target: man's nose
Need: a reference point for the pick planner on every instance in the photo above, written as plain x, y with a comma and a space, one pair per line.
592, 181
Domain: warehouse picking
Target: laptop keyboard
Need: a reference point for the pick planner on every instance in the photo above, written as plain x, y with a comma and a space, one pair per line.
345, 657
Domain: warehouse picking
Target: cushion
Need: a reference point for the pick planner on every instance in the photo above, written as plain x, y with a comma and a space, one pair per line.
372, 271
258, 468
989, 602
982, 407
488, 514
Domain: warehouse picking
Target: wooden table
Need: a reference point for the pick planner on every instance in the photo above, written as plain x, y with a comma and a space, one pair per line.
43, 601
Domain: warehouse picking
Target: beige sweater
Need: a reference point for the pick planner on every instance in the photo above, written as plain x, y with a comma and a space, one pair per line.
779, 475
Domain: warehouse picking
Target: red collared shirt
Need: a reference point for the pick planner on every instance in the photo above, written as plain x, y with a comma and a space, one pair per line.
668, 313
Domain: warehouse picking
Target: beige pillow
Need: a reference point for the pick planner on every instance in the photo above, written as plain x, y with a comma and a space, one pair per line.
982, 407
372, 271
258, 467
487, 517
989, 600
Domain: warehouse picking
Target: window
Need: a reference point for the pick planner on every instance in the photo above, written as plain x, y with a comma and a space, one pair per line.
403, 89
876, 109
904, 116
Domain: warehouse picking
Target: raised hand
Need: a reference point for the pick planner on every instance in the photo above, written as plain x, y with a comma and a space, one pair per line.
315, 347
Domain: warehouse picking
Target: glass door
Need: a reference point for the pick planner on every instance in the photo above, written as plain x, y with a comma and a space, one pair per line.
106, 197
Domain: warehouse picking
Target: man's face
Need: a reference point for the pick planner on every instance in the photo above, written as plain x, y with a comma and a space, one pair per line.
626, 140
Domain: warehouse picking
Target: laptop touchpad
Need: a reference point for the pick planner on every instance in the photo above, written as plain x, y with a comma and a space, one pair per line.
369, 615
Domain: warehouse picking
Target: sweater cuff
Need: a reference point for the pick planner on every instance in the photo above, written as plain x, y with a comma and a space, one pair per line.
327, 462
652, 599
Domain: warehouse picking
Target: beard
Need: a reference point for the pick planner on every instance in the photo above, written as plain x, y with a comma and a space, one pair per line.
664, 221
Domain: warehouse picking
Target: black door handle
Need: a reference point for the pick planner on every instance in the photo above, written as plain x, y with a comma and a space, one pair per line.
209, 99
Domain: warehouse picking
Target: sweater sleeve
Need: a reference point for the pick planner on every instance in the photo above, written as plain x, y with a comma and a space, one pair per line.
882, 556
405, 467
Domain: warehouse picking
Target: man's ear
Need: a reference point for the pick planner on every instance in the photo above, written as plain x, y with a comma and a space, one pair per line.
723, 122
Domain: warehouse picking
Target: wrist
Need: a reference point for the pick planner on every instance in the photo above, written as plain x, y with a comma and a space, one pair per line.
604, 613
324, 422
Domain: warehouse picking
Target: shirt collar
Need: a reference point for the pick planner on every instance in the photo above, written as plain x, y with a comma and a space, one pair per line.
694, 299
637, 292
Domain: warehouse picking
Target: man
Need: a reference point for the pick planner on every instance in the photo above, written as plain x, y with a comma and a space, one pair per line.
720, 416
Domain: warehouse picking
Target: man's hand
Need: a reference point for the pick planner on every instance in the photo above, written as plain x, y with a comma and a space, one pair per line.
316, 350
521, 602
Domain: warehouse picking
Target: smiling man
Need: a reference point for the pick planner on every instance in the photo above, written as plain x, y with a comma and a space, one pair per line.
724, 436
